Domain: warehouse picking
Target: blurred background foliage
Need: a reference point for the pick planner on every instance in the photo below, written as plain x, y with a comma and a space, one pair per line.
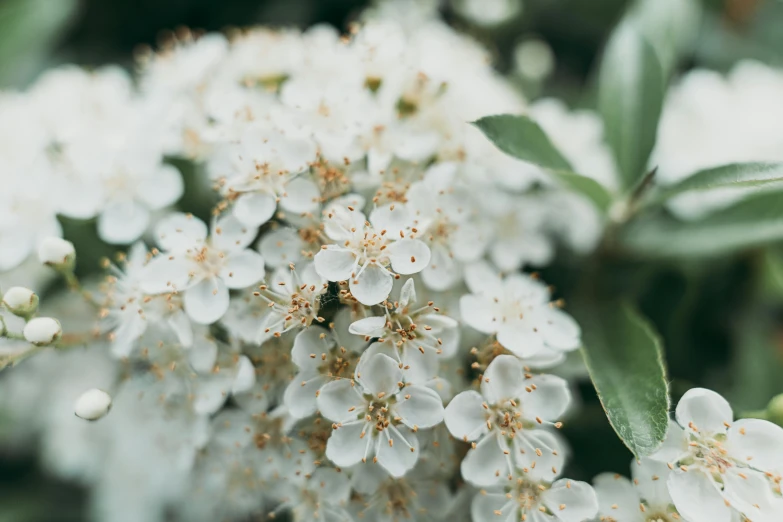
721, 320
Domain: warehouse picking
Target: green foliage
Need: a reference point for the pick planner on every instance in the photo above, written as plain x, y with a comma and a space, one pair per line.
624, 356
630, 96
753, 177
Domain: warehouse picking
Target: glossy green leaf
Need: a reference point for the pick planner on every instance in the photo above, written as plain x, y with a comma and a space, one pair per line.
754, 177
630, 96
752, 222
624, 357
523, 138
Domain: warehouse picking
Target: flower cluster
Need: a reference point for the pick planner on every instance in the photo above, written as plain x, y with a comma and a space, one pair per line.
349, 326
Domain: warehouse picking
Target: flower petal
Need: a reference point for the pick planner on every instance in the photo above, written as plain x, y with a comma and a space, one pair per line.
486, 464
675, 445
166, 274
409, 256
757, 442
379, 374
369, 326
346, 446
245, 376
540, 454
703, 410
207, 301
571, 500
399, 453
255, 208
372, 285
466, 417
560, 330
419, 407
494, 507
479, 312
339, 401
300, 395
617, 498
281, 247
503, 379
394, 218
697, 498
334, 263
242, 269
123, 223
310, 347
520, 338
301, 196
650, 478
179, 232
548, 398
231, 235
751, 494
163, 189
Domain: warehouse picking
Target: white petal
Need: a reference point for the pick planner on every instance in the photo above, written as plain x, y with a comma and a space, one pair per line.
369, 326
617, 498
391, 217
503, 379
178, 232
520, 338
333, 486
485, 465
255, 208
443, 271
757, 442
419, 407
281, 247
379, 374
372, 285
479, 312
242, 269
409, 256
345, 446
180, 324
203, 355
340, 401
301, 196
378, 161
674, 447
163, 189
752, 496
207, 301
408, 293
578, 498
465, 416
401, 455
548, 398
696, 498
559, 329
310, 346
245, 376
540, 455
494, 507
300, 395
334, 263
419, 368
131, 327
482, 279
123, 223
707, 410
231, 235
166, 274
650, 478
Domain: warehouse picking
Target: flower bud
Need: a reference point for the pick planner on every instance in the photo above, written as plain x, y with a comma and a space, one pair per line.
21, 301
92, 404
42, 330
57, 253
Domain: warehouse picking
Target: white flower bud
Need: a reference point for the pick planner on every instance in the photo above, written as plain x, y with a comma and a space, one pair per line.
42, 330
57, 253
21, 301
92, 404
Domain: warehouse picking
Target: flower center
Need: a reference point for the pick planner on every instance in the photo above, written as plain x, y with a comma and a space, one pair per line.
209, 260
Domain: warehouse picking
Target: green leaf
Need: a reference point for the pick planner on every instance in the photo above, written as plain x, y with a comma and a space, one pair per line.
755, 177
624, 357
521, 137
588, 187
630, 96
752, 222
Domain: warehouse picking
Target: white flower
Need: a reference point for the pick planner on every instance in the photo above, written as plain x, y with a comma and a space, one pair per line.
365, 253
262, 168
413, 497
92, 404
646, 499
376, 416
321, 497
521, 498
20, 301
503, 419
128, 311
518, 310
417, 338
42, 330
203, 268
56, 252
321, 359
721, 467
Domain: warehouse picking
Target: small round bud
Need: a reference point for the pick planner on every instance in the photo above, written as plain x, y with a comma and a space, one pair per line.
57, 253
92, 404
42, 330
775, 410
21, 301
